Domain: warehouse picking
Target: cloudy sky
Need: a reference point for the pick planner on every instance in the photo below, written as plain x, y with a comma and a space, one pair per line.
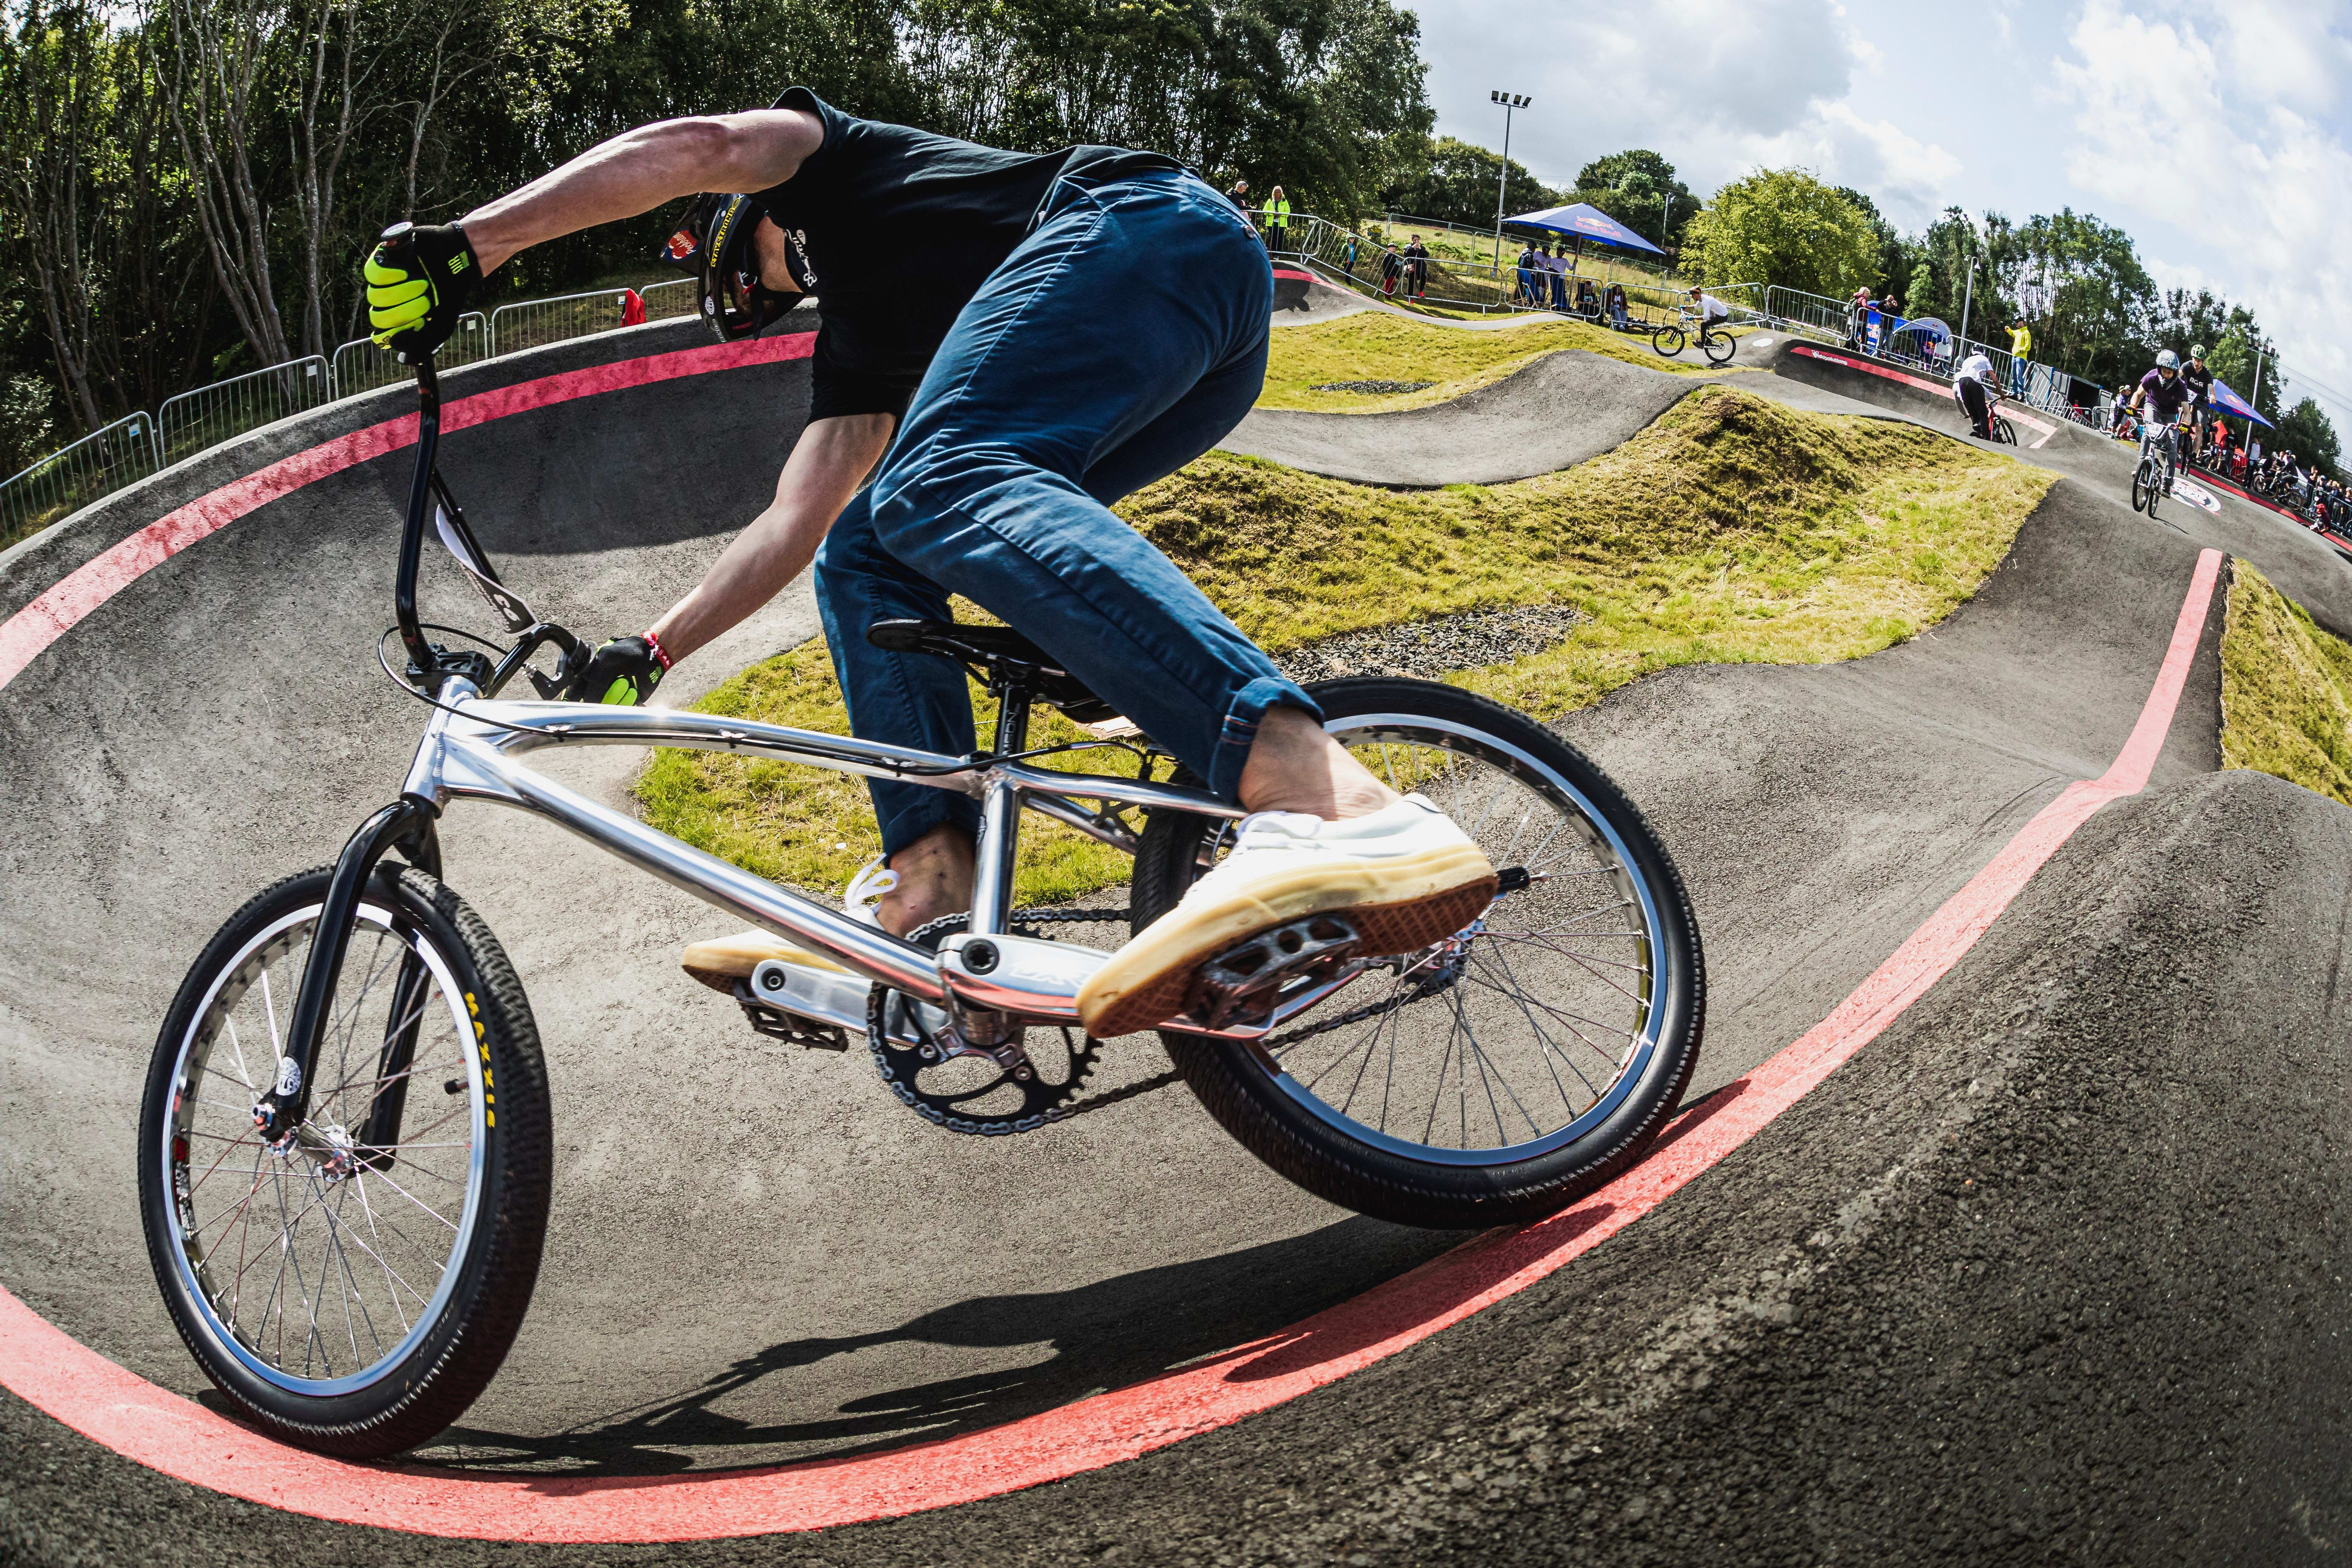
2219, 135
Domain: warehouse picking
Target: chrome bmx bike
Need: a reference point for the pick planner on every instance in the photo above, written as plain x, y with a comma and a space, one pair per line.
1717, 346
345, 1155
2159, 459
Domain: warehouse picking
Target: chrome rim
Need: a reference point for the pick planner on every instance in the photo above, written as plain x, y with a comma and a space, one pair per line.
1532, 1025
320, 1262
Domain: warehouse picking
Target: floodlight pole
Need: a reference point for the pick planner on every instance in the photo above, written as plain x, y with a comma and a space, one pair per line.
1509, 100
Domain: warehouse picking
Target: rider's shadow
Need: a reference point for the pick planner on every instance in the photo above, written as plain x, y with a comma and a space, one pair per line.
1101, 1336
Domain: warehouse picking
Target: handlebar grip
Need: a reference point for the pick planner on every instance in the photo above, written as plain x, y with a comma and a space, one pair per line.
399, 243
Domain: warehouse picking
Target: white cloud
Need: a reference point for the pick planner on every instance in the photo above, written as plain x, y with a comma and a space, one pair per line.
1718, 86
2210, 123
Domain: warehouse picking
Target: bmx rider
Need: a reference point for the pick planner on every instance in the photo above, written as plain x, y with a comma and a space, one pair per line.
993, 354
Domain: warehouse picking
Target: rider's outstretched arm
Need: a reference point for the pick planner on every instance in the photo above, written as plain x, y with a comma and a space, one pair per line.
638, 171
832, 457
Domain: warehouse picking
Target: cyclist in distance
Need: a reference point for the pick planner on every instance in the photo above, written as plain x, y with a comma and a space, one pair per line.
1008, 343
2200, 381
1710, 309
1974, 382
2160, 396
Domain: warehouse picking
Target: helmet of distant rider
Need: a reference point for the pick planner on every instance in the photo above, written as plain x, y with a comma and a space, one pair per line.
2197, 350
2166, 360
712, 242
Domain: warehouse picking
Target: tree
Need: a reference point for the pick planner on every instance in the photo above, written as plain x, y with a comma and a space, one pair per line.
2307, 432
1638, 188
2098, 302
1784, 227
1460, 186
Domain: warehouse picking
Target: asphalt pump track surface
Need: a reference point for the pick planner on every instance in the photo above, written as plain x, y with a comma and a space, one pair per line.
2004, 1223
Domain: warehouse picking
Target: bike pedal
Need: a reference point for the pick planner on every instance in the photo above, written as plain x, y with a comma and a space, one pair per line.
807, 1033
1240, 984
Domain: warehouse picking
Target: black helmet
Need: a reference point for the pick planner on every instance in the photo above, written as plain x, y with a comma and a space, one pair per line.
712, 242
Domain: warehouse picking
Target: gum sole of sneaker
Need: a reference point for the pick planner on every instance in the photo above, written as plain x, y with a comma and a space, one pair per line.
721, 962
1403, 927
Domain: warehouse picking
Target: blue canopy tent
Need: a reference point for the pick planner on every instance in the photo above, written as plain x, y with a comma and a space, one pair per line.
1585, 221
2228, 402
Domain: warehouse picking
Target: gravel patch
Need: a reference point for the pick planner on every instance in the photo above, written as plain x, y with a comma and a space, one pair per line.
1375, 388
1434, 648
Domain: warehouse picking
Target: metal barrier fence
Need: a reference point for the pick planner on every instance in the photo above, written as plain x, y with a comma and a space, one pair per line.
66, 480
192, 421
534, 324
2025, 380
361, 366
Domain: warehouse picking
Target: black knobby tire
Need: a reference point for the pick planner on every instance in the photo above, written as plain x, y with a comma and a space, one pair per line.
465, 1017
2140, 488
1718, 347
1335, 1153
2004, 433
1668, 340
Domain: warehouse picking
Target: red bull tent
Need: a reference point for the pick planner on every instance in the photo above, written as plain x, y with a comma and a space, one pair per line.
2228, 402
1585, 221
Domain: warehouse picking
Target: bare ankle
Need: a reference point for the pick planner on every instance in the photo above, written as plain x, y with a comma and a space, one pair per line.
934, 880
1295, 767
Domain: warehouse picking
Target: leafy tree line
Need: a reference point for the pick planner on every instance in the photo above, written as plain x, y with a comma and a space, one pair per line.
2077, 282
1457, 182
187, 185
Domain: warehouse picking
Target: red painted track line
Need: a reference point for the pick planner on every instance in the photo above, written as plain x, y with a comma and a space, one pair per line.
45, 1366
1939, 387
26, 634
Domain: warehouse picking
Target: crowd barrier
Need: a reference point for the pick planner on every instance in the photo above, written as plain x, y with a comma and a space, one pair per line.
138, 444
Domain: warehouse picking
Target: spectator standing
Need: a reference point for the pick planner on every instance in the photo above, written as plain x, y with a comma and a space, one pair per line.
2021, 346
1526, 268
1559, 268
1277, 220
1617, 305
1416, 268
1855, 309
1392, 269
1238, 193
1349, 258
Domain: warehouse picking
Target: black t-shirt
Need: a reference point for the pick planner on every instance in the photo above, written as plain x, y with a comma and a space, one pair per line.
901, 227
2200, 378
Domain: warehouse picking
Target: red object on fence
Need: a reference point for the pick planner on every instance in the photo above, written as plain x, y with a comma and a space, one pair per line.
632, 309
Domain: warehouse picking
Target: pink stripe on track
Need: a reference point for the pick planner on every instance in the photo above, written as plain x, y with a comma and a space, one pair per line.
103, 1401
25, 634
1940, 388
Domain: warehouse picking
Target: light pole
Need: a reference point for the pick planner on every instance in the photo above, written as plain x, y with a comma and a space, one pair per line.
1509, 100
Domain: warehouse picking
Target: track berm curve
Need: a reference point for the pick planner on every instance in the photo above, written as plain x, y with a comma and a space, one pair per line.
2008, 1225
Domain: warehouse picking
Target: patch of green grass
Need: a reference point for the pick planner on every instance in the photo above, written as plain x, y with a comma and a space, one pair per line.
2286, 691
1374, 345
1733, 529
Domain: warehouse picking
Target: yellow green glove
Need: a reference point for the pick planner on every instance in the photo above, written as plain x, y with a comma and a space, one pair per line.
420, 279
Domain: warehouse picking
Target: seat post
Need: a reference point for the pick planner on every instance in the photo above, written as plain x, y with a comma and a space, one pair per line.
1015, 688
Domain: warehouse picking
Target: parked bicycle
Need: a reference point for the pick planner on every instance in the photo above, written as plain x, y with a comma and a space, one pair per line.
345, 1147
1669, 338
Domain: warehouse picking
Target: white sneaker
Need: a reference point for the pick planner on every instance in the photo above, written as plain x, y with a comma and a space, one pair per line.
1405, 876
719, 963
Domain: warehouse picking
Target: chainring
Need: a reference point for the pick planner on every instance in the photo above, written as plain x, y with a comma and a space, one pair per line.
944, 1091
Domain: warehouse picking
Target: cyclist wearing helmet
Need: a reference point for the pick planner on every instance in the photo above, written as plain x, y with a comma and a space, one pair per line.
993, 355
2200, 381
2161, 396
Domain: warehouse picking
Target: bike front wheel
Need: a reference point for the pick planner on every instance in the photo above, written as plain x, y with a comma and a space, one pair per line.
2142, 487
1499, 1075
1667, 341
2004, 433
353, 1286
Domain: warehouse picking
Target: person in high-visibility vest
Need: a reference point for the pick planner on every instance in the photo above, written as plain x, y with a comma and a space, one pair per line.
1276, 217
2020, 344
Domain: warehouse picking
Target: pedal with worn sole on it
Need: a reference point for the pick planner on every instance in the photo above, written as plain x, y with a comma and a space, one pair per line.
1241, 984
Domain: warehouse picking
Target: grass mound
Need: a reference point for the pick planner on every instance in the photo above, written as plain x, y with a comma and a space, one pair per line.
2286, 691
1733, 529
1372, 345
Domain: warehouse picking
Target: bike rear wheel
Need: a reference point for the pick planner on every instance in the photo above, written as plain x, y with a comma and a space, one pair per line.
2004, 433
1501, 1075
1718, 347
1667, 341
354, 1286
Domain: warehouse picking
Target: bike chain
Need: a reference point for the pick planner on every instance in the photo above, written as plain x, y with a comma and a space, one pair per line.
1045, 1105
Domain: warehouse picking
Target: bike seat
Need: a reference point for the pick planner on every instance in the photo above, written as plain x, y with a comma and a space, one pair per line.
996, 655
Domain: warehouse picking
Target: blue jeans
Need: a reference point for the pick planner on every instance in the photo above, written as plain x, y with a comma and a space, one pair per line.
1120, 341
2017, 379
